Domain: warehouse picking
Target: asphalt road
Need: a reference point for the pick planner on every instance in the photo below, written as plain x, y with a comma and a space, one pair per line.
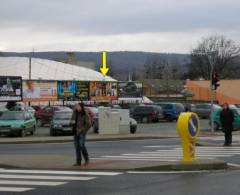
212, 183
155, 150
131, 183
169, 127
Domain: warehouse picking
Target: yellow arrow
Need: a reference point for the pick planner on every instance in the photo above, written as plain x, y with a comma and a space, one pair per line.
104, 69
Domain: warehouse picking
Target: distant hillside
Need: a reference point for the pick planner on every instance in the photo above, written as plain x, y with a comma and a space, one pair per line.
121, 62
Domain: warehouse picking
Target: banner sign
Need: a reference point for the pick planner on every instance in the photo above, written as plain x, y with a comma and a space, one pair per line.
39, 91
66, 90
103, 91
10, 88
82, 92
130, 89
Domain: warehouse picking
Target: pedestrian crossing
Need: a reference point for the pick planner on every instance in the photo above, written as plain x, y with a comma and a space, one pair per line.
165, 153
22, 180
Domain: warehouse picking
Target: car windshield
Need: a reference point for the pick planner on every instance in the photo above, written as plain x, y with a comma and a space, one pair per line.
12, 116
62, 115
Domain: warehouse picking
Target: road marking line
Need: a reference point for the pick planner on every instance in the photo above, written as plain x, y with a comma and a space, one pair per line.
14, 189
166, 172
165, 156
143, 159
34, 183
234, 165
197, 152
170, 155
172, 146
60, 172
44, 177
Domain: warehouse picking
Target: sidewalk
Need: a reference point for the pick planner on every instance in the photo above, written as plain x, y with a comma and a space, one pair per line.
65, 162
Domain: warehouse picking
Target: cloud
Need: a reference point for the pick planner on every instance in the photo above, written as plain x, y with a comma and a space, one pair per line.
63, 21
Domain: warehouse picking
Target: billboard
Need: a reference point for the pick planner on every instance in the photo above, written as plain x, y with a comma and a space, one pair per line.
130, 89
66, 90
82, 92
10, 88
103, 91
39, 91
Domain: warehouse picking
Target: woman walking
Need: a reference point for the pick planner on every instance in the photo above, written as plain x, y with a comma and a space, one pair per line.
81, 124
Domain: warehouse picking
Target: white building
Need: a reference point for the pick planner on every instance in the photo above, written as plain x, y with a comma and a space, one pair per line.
42, 69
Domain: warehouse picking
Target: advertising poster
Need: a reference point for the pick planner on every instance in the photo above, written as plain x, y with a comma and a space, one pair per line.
82, 92
10, 88
103, 91
130, 89
66, 90
37, 91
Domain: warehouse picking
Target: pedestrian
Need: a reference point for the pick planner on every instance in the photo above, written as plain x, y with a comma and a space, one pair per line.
227, 119
81, 124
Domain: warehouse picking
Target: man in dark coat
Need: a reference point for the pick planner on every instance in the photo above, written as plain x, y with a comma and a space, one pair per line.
227, 119
81, 124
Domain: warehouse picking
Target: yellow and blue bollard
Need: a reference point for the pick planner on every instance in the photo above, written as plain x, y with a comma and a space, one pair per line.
188, 126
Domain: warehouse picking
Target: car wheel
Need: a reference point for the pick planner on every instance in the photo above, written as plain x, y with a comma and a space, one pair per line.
33, 130
52, 132
22, 133
95, 130
133, 129
39, 123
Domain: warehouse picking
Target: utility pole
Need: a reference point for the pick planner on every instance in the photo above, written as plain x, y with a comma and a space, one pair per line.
212, 60
30, 67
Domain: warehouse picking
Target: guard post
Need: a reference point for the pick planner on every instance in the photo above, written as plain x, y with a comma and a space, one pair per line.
188, 126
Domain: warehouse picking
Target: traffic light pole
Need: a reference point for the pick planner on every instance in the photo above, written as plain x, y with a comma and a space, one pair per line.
211, 94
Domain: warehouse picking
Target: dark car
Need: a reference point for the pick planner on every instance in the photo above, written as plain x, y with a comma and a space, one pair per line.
172, 110
147, 114
61, 123
45, 115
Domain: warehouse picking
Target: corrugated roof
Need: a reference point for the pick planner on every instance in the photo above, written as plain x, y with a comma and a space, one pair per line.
47, 70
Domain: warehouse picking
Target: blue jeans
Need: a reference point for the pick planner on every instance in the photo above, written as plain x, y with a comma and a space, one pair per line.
81, 150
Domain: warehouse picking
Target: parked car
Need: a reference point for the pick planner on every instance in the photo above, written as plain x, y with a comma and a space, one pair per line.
17, 123
37, 108
45, 115
147, 113
61, 123
20, 107
171, 110
202, 110
217, 122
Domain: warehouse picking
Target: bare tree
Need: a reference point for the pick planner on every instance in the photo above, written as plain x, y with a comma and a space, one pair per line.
224, 51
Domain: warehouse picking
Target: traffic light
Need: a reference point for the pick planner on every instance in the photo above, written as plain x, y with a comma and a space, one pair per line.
215, 80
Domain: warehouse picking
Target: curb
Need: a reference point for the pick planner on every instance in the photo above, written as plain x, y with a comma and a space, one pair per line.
168, 167
88, 139
188, 166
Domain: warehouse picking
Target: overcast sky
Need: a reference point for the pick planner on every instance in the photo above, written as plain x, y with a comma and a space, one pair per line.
113, 25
